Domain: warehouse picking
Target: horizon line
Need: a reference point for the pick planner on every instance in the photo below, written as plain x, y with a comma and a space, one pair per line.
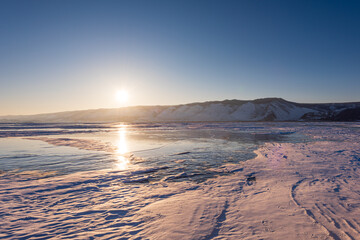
180, 104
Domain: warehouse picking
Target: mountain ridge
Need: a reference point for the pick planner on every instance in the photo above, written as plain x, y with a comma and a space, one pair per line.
263, 109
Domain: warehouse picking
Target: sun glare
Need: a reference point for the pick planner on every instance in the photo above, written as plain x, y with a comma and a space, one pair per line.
123, 161
122, 96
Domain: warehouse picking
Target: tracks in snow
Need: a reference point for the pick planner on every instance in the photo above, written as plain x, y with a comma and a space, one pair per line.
219, 221
338, 226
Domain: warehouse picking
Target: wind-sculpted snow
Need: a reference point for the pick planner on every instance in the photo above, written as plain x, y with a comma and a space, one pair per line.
268, 109
302, 190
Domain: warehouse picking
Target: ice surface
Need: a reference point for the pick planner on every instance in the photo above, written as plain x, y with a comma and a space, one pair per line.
291, 190
194, 148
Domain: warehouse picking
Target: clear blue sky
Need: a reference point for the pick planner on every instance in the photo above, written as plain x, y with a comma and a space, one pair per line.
73, 54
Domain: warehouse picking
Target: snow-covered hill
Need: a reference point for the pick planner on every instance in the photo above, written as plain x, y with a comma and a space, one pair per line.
267, 109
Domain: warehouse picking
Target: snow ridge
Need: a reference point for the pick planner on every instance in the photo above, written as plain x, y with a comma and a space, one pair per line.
266, 109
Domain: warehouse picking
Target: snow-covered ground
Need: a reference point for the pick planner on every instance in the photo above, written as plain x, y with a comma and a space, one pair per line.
305, 190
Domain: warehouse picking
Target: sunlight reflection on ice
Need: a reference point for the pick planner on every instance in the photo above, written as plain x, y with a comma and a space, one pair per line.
122, 161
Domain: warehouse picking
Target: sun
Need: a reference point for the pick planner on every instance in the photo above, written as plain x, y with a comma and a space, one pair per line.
122, 96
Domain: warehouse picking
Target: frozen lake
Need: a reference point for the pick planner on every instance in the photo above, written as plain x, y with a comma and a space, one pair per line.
180, 181
175, 151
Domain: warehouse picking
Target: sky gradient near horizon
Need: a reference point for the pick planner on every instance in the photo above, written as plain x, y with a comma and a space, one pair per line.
60, 55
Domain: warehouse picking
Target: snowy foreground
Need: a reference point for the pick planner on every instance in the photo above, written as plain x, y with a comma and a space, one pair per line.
289, 191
